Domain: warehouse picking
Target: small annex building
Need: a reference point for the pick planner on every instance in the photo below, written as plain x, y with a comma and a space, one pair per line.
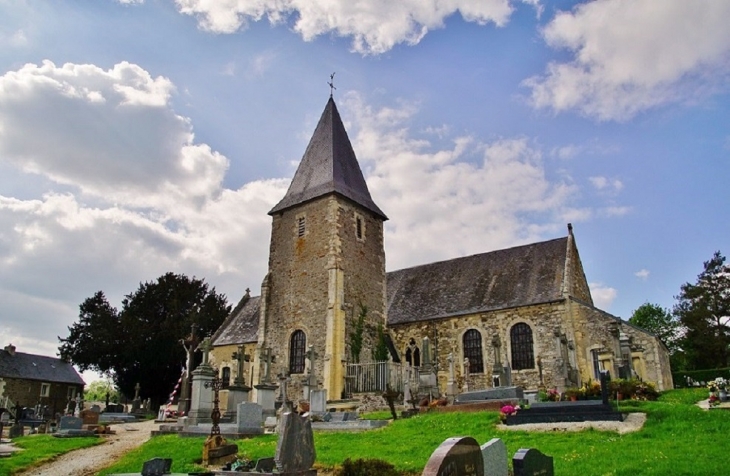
527, 308
29, 380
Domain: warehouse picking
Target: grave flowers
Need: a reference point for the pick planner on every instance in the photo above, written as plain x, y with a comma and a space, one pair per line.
508, 410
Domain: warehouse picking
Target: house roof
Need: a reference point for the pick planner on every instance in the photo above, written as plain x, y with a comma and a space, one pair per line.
329, 166
241, 326
37, 367
519, 276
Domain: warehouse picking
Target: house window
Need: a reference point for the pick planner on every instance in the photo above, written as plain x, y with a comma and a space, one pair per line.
296, 352
523, 356
45, 389
473, 351
71, 392
301, 226
226, 377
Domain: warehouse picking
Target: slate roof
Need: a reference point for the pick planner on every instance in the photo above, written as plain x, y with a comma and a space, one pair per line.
37, 367
514, 277
241, 326
329, 166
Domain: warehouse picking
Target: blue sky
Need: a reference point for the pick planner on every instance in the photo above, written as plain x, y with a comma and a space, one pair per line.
141, 137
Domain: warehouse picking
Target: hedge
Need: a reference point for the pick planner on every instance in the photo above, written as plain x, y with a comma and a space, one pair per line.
680, 378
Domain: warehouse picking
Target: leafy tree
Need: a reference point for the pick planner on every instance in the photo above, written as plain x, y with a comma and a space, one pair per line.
98, 389
703, 309
658, 321
141, 343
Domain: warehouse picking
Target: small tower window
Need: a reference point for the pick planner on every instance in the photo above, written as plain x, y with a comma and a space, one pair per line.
301, 226
358, 226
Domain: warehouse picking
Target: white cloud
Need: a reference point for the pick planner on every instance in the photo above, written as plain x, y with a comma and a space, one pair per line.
375, 26
603, 183
603, 296
500, 200
632, 55
642, 274
135, 148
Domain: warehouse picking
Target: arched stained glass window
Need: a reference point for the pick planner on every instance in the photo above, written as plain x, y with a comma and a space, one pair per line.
473, 351
523, 355
297, 348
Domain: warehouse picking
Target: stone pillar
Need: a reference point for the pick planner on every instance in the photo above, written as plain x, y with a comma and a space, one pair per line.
334, 374
266, 397
201, 402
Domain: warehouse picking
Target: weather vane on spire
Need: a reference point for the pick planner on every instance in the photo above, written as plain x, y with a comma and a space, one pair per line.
331, 82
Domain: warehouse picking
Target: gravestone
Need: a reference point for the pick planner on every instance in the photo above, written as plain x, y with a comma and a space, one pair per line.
457, 456
295, 447
265, 465
89, 417
15, 431
494, 456
157, 467
71, 426
249, 417
531, 462
318, 400
70, 423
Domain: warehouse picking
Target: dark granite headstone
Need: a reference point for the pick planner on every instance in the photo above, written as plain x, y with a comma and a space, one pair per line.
15, 431
89, 417
157, 467
295, 447
531, 462
70, 423
458, 456
265, 465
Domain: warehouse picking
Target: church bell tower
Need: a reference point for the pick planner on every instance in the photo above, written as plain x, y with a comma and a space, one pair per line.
326, 265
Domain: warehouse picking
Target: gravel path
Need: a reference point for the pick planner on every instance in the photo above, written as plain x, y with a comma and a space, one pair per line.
87, 461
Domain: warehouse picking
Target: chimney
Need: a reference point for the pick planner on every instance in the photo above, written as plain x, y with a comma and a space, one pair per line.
10, 349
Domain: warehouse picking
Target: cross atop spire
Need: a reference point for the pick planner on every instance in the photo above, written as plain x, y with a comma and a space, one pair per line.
331, 82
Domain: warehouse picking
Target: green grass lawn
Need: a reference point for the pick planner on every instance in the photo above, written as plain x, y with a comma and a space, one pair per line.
677, 439
40, 448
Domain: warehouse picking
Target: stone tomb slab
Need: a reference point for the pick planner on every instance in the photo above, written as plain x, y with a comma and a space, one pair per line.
531, 462
499, 393
457, 456
494, 456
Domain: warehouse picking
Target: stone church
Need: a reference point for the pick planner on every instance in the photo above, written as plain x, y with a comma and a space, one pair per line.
523, 314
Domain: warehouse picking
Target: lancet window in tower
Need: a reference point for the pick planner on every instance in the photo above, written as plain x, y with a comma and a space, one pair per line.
473, 351
301, 226
297, 349
226, 377
523, 354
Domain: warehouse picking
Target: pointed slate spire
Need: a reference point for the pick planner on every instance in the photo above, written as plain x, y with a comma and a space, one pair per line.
329, 166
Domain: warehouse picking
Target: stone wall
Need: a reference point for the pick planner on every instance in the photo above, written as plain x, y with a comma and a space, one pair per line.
598, 330
318, 282
446, 335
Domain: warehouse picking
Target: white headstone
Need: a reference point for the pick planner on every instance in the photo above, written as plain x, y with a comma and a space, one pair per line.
249, 417
494, 455
318, 400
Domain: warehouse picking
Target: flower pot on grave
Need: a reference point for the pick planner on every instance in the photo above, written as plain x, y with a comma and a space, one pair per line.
723, 395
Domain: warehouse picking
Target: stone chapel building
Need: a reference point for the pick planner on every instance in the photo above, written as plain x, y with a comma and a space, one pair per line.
528, 308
